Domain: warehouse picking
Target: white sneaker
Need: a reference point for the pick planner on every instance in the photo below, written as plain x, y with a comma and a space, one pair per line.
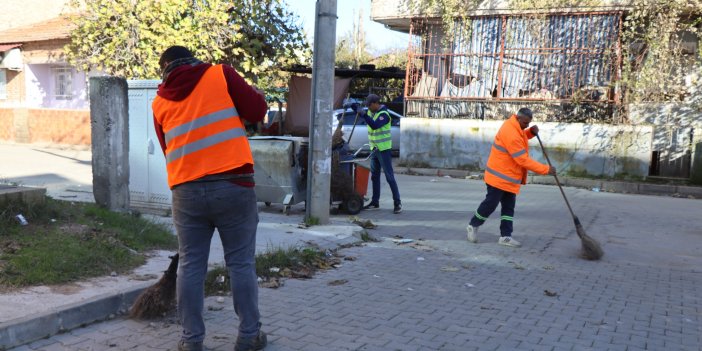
508, 241
472, 233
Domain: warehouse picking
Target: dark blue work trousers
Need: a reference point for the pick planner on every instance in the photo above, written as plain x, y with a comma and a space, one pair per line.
494, 197
382, 160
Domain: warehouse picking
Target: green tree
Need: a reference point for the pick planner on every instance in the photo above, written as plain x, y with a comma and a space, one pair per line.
352, 50
658, 62
126, 37
391, 59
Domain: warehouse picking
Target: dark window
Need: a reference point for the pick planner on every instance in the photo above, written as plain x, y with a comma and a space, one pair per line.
349, 117
395, 121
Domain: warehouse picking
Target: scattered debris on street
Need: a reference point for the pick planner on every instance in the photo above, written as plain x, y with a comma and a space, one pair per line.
449, 269
274, 266
365, 224
550, 293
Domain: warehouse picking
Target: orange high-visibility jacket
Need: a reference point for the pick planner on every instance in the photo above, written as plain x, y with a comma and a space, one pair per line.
509, 158
204, 134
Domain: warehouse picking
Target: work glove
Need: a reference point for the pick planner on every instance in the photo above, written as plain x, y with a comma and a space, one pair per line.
534, 130
354, 107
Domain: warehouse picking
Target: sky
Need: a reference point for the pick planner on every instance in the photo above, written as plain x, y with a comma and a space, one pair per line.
378, 37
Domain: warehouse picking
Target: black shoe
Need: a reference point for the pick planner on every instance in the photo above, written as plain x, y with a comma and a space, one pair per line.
371, 206
398, 208
189, 346
252, 344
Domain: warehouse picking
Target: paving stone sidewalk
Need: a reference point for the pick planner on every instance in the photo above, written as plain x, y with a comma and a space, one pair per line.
441, 293
405, 299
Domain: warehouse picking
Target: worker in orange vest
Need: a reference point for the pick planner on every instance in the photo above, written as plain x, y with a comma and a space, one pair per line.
505, 173
198, 115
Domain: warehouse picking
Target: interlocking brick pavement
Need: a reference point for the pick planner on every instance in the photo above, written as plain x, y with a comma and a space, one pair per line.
443, 293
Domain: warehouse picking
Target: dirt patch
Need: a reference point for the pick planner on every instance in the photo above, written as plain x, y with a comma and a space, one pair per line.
75, 228
66, 289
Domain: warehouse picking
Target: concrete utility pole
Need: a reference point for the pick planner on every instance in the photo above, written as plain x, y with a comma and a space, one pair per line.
109, 129
319, 166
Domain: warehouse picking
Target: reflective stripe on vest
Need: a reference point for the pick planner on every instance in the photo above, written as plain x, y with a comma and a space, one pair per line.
204, 134
204, 143
201, 122
514, 155
380, 138
503, 176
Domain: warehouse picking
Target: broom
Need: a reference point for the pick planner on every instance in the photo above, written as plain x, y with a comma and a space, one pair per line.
158, 298
591, 249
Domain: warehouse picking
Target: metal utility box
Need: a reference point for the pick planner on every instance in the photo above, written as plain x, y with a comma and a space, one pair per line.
148, 181
280, 163
280, 169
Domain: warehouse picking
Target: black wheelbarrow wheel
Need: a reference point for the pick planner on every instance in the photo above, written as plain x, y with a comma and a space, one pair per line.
353, 204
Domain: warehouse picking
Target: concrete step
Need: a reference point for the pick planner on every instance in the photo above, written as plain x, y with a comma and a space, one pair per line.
27, 195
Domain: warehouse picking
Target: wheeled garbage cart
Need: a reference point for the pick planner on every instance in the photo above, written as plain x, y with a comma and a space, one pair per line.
280, 169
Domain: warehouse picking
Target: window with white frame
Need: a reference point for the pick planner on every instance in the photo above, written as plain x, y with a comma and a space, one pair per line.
3, 84
63, 84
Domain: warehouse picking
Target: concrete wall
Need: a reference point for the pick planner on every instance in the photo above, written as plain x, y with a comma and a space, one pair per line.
37, 85
392, 13
667, 114
45, 51
15, 88
677, 127
41, 88
574, 148
498, 110
7, 130
54, 126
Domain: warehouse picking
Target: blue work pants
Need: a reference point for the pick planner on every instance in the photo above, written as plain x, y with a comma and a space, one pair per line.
198, 209
382, 160
494, 197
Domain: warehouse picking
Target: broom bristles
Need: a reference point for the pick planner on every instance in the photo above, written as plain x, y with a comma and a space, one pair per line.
159, 298
590, 247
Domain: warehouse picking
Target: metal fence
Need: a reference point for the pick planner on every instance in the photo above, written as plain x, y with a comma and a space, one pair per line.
569, 58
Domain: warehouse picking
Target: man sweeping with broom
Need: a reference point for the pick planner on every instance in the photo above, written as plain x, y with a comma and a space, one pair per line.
198, 117
505, 173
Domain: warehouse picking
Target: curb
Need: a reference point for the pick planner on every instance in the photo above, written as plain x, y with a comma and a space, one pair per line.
611, 186
28, 329
30, 195
25, 330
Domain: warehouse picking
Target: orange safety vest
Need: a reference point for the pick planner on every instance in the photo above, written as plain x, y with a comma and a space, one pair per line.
204, 134
509, 158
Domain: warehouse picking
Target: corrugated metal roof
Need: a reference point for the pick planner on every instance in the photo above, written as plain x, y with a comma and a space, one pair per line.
57, 28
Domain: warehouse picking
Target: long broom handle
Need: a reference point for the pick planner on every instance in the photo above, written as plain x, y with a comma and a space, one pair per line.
555, 176
355, 120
